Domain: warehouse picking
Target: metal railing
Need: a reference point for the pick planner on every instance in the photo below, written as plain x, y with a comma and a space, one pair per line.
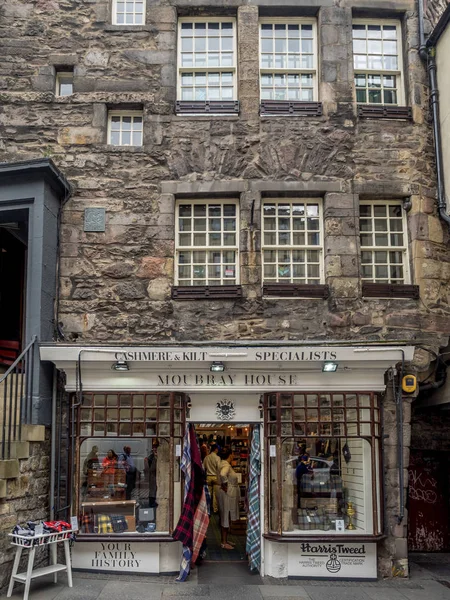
16, 398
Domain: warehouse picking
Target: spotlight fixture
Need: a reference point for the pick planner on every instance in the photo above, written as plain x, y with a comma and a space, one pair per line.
120, 365
329, 367
217, 367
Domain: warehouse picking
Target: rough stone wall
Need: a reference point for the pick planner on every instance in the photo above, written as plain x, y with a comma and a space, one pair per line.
434, 10
430, 430
115, 286
27, 500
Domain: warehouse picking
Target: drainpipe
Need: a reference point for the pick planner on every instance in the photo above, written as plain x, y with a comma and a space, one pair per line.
53, 447
429, 55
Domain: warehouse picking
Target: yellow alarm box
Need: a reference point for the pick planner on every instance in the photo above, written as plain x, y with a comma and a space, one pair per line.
409, 384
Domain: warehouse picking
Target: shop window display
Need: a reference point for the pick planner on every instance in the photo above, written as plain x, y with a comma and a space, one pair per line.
129, 477
323, 463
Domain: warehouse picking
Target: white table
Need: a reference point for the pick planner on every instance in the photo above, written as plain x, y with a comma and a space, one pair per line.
31, 544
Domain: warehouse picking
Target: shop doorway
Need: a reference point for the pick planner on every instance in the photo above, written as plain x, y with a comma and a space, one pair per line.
235, 437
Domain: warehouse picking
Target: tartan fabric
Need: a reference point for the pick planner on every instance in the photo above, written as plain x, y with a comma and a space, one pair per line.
104, 524
118, 523
185, 566
185, 463
313, 519
320, 483
330, 505
194, 519
201, 522
253, 545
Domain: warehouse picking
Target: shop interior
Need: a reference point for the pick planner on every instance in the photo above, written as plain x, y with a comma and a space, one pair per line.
236, 437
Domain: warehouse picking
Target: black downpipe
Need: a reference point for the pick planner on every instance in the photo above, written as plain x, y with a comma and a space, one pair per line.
429, 55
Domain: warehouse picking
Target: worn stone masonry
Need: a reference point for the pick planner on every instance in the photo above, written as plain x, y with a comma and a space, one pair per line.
27, 500
116, 285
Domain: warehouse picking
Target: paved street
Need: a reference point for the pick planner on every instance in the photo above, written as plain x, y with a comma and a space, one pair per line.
430, 580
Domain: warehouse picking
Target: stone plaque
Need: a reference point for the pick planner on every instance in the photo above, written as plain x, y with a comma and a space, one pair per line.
94, 219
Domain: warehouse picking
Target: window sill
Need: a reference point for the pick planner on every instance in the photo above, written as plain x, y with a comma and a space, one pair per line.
294, 290
387, 290
207, 292
294, 539
112, 148
287, 108
384, 111
207, 107
121, 537
126, 28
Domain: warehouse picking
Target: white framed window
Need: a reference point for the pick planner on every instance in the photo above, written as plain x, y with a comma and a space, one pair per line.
384, 245
207, 59
207, 242
292, 244
377, 62
125, 128
288, 59
128, 12
64, 83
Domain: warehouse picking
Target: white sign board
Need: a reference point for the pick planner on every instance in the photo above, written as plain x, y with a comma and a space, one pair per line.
133, 557
333, 559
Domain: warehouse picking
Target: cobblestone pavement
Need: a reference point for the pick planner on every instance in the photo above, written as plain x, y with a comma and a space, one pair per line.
430, 580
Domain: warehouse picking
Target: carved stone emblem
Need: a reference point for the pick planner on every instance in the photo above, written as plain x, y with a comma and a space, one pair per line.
225, 410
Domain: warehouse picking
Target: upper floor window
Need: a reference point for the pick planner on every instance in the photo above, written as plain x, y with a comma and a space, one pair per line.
207, 242
384, 253
125, 128
292, 241
207, 59
64, 83
288, 60
128, 12
377, 62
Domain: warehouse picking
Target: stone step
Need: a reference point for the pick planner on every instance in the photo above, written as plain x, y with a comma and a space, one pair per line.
9, 469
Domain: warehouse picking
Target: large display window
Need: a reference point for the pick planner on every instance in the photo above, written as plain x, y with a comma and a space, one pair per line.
323, 454
128, 466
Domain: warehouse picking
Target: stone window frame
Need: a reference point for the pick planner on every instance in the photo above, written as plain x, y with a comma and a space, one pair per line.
124, 113
220, 69
61, 74
134, 2
292, 247
313, 71
207, 248
399, 73
404, 249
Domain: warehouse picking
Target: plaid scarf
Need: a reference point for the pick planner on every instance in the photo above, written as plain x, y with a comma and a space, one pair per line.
253, 545
118, 523
194, 519
89, 523
104, 524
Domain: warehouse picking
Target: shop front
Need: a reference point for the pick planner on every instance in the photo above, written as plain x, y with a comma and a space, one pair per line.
319, 414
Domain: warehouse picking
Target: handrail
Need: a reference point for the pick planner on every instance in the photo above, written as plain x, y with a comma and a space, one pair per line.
18, 359
18, 399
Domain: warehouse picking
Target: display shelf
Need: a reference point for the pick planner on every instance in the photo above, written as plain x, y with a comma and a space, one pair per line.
29, 543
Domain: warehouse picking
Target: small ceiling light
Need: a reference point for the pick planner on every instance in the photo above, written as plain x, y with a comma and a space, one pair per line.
121, 365
217, 367
329, 367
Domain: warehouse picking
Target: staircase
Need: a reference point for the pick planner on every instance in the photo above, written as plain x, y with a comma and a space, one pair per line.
16, 428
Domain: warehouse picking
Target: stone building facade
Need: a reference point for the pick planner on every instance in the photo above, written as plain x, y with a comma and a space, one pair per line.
117, 285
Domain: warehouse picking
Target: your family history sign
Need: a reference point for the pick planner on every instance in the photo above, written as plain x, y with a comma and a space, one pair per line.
116, 556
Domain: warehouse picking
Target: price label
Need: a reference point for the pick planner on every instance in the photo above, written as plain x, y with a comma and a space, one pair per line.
272, 450
178, 450
39, 529
340, 525
74, 523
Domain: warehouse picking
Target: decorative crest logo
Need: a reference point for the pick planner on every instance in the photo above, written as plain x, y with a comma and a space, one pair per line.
225, 410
